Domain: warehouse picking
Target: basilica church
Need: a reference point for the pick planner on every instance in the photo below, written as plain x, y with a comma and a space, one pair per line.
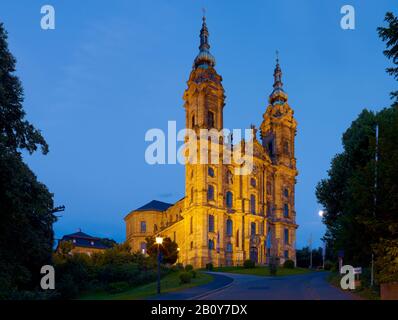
226, 218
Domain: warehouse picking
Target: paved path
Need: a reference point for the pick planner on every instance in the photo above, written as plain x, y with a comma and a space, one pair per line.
219, 281
309, 286
229, 286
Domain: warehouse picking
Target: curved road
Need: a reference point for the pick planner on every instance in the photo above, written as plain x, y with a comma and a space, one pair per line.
309, 286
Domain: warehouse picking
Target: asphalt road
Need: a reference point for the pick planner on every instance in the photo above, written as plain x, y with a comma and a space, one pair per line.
310, 286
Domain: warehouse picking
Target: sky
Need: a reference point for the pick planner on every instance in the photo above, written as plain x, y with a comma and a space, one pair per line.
110, 71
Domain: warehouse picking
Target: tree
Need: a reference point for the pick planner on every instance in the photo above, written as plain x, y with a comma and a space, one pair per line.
26, 205
168, 250
390, 35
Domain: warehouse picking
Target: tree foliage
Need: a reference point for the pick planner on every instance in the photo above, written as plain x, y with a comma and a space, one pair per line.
26, 205
168, 250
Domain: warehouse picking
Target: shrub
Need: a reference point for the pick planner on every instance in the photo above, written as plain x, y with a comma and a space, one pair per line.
193, 273
328, 265
249, 264
288, 264
116, 287
209, 266
188, 267
185, 277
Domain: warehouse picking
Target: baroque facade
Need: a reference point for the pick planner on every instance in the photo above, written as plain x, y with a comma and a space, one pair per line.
226, 218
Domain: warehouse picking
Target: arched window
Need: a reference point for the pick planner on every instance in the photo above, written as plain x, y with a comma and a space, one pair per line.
253, 204
286, 192
210, 193
211, 244
211, 223
253, 228
229, 227
286, 236
210, 119
210, 172
229, 199
286, 210
191, 225
143, 226
229, 247
253, 182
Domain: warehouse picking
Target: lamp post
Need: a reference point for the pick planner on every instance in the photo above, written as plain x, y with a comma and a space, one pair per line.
159, 241
178, 255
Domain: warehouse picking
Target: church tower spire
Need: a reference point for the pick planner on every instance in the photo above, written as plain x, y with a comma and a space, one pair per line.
204, 58
278, 95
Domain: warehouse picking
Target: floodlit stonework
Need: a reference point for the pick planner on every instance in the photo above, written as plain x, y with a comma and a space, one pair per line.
226, 218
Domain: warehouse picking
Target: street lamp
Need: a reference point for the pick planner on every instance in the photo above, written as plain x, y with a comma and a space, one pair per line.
159, 241
321, 213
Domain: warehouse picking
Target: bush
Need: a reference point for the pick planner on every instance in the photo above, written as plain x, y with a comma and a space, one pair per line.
288, 264
248, 264
185, 277
328, 265
188, 267
209, 266
116, 287
193, 273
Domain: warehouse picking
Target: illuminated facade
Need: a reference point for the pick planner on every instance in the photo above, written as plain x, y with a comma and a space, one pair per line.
226, 218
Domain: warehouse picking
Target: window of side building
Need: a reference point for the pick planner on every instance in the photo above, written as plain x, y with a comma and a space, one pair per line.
253, 204
253, 228
210, 193
143, 226
229, 199
229, 227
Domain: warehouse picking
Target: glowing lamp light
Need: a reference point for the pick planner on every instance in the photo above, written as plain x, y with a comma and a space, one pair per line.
178, 249
321, 213
159, 240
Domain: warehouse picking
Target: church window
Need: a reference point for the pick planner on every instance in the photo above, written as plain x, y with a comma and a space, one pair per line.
253, 182
191, 225
253, 228
191, 245
210, 172
286, 192
271, 148
143, 226
229, 227
229, 199
237, 238
229, 247
211, 223
210, 193
286, 210
210, 119
286, 236
211, 244
193, 121
253, 204
286, 254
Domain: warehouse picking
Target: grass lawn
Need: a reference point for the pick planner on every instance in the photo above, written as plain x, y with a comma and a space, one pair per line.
262, 271
168, 283
364, 292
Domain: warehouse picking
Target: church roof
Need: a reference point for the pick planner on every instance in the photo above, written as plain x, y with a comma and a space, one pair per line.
154, 205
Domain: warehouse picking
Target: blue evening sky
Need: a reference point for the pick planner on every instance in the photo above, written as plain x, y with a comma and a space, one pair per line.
111, 70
